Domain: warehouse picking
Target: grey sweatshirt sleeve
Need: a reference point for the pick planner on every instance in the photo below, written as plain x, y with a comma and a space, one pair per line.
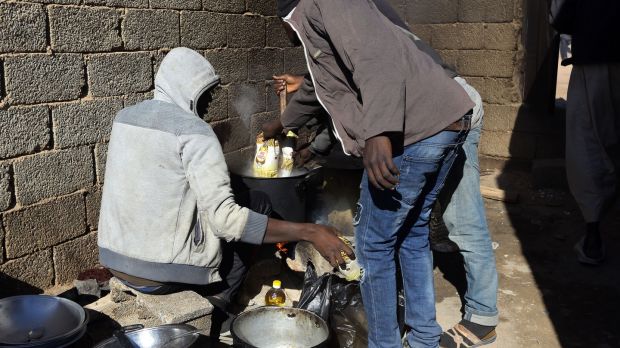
323, 142
208, 178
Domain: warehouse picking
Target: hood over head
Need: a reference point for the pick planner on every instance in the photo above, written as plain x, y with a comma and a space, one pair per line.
286, 6
183, 77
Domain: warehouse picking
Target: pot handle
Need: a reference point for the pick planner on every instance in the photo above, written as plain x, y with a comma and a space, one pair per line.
312, 179
130, 328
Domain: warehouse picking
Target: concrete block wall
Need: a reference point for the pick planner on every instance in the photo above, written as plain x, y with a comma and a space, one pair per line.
66, 68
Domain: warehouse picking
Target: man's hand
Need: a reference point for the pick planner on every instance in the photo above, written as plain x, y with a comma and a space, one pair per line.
272, 129
381, 170
290, 82
303, 156
326, 241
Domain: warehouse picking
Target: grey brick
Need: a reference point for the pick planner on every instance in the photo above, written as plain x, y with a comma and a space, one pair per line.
22, 27
151, 29
1, 244
257, 122
60, 2
262, 7
101, 154
75, 256
39, 78
431, 11
265, 63
486, 63
52, 174
424, 32
499, 91
450, 57
133, 99
84, 29
295, 61
508, 144
177, 4
84, 123
218, 109
228, 6
5, 188
232, 133
119, 3
486, 10
120, 73
246, 99
273, 100
458, 36
200, 30
27, 275
500, 117
23, 130
245, 31
276, 35
502, 36
44, 225
231, 65
93, 205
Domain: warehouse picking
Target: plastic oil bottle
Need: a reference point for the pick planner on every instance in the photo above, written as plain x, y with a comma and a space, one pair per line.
275, 296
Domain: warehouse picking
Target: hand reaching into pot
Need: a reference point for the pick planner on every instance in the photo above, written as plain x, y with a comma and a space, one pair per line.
272, 129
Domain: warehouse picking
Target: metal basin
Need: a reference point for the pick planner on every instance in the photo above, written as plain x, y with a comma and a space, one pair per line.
40, 320
156, 337
276, 327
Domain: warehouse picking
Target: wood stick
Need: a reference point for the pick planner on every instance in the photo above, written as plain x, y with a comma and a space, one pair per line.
282, 101
499, 194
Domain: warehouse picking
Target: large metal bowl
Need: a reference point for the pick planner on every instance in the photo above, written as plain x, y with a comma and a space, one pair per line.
156, 337
40, 320
278, 327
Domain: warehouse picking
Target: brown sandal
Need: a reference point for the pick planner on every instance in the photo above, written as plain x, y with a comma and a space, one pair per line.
460, 337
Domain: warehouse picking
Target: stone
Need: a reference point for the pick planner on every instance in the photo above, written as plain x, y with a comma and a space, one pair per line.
202, 30
230, 64
84, 29
52, 174
486, 10
258, 120
431, 11
75, 256
246, 99
93, 205
151, 29
276, 35
501, 36
84, 122
24, 130
6, 199
228, 6
265, 63
295, 61
22, 27
245, 31
218, 109
486, 63
101, 153
177, 4
89, 287
120, 73
262, 7
119, 3
41, 226
458, 36
27, 275
39, 78
175, 308
232, 134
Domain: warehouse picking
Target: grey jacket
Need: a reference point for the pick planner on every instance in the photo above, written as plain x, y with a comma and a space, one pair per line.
370, 75
167, 204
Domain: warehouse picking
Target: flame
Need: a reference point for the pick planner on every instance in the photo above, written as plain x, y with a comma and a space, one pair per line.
281, 247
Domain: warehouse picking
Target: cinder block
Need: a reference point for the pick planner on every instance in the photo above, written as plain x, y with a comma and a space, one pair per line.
244, 155
93, 205
151, 29
177, 4
133, 99
424, 32
508, 144
486, 10
101, 154
502, 36
44, 225
228, 6
84, 123
458, 36
231, 65
232, 133
265, 63
486, 63
200, 30
119, 73
27, 275
118, 3
75, 256
246, 99
431, 11
276, 35
1, 244
5, 189
273, 100
500, 91
23, 130
295, 61
262, 7
51, 174
60, 2
22, 28
450, 57
218, 109
176, 308
39, 78
84, 29
245, 31
258, 120
500, 117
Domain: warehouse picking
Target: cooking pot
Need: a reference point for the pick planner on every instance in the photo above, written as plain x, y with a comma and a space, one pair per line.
40, 321
289, 196
279, 327
169, 336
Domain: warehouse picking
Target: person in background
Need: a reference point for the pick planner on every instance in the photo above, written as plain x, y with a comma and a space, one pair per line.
592, 113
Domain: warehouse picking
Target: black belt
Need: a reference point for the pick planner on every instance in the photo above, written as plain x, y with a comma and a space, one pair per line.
462, 124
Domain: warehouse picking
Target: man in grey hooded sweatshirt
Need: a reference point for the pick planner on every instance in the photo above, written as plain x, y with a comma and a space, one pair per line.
168, 214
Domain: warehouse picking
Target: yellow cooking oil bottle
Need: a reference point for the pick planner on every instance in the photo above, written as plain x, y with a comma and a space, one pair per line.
275, 296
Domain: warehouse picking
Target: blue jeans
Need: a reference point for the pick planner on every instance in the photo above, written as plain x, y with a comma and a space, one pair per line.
394, 223
465, 219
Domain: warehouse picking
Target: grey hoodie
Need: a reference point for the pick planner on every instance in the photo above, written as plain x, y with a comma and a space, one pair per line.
167, 202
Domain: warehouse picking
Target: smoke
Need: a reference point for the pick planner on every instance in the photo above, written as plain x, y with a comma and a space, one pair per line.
245, 104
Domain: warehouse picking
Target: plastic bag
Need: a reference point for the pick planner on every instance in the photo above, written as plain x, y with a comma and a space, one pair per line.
266, 160
316, 293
